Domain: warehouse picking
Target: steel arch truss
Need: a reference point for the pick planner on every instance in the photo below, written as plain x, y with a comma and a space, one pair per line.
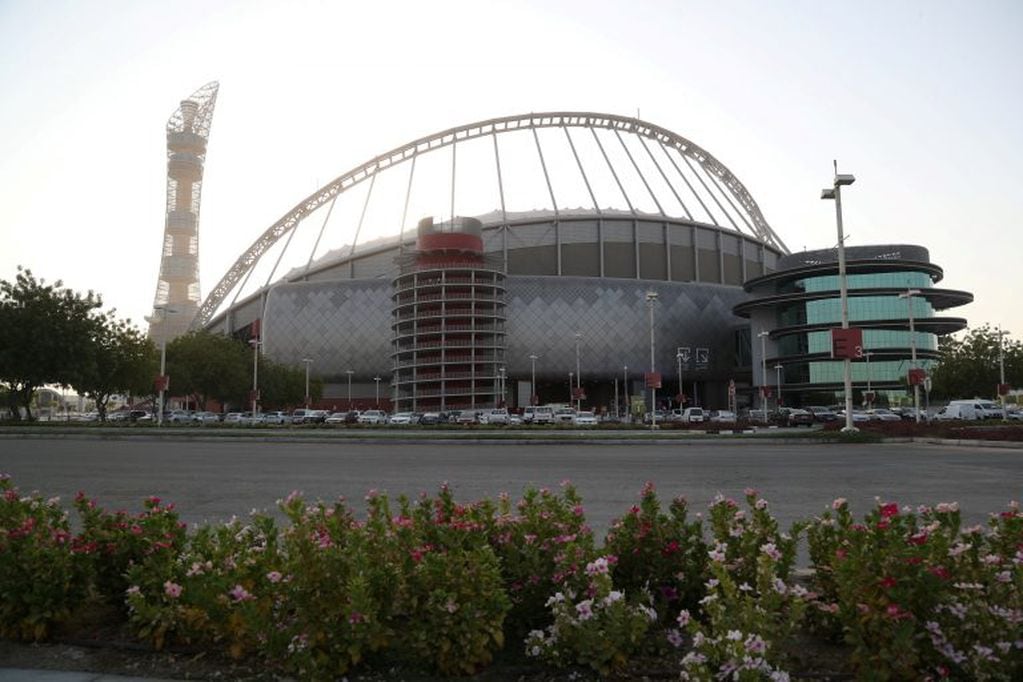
494, 126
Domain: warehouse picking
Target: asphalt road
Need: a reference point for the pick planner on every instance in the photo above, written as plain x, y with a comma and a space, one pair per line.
211, 481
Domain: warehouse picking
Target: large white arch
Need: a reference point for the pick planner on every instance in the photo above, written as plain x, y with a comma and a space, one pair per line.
753, 218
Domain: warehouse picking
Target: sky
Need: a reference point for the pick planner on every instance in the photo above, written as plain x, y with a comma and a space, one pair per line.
920, 100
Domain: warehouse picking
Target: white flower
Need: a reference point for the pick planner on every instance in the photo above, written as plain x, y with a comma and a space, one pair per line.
1003, 577
734, 635
597, 567
683, 618
770, 550
779, 586
651, 614
612, 597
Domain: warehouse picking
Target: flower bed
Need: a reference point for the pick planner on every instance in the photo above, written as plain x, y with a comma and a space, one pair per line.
444, 586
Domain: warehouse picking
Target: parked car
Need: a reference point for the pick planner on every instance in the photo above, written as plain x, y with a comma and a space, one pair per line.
276, 418
177, 417
400, 419
236, 418
140, 416
206, 418
495, 416
693, 415
585, 418
1014, 414
336, 418
467, 417
373, 417
858, 416
822, 414
880, 414
431, 418
564, 415
118, 416
299, 416
798, 417
991, 410
723, 416
967, 410
537, 414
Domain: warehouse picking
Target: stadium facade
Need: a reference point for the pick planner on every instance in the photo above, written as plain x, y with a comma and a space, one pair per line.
520, 305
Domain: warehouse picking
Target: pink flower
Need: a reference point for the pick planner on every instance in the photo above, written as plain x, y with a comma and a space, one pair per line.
918, 539
675, 638
889, 510
750, 492
172, 590
274, 576
770, 550
585, 609
355, 617
683, 618
240, 594
838, 503
888, 582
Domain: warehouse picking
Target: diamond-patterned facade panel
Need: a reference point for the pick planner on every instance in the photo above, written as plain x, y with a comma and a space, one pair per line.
346, 324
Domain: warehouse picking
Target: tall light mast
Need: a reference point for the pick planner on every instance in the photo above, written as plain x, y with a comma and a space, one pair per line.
177, 289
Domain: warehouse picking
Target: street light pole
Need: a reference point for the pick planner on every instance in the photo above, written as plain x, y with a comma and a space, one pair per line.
307, 361
908, 294
1001, 369
678, 358
777, 373
532, 379
570, 385
349, 373
651, 300
625, 391
578, 376
763, 371
377, 380
255, 343
500, 374
164, 311
835, 192
870, 398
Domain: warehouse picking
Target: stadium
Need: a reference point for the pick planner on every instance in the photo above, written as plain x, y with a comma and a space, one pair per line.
540, 258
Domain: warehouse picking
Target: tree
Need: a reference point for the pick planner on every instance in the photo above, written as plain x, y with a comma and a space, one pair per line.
45, 333
284, 385
969, 366
209, 366
121, 359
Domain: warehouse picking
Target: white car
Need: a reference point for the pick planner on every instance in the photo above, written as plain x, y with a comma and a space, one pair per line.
857, 416
882, 415
723, 416
1014, 415
276, 418
238, 418
400, 419
206, 418
337, 418
495, 416
565, 415
373, 417
693, 415
585, 419
538, 414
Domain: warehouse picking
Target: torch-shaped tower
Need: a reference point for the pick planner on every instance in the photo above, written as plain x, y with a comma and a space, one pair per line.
177, 290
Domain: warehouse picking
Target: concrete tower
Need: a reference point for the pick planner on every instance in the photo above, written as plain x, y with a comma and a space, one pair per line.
177, 291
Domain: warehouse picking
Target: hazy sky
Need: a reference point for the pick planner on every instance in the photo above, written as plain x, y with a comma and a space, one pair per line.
921, 100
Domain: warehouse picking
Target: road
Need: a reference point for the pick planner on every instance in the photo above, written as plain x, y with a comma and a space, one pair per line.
211, 481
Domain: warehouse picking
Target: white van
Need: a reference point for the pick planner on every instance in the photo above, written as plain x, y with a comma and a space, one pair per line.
960, 409
538, 414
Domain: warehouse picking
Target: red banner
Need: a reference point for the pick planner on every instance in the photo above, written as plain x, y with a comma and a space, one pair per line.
161, 382
916, 376
1003, 389
653, 379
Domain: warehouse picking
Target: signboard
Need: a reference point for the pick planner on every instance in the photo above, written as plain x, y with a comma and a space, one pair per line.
653, 379
847, 343
578, 393
256, 328
702, 358
681, 398
684, 353
1003, 389
161, 382
765, 391
868, 396
916, 377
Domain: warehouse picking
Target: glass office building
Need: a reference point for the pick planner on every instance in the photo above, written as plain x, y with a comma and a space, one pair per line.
794, 309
